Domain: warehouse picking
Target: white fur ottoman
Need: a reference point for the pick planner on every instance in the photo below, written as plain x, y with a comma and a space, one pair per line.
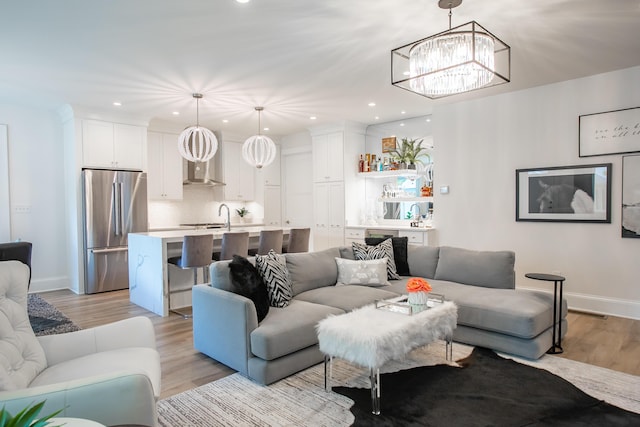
371, 337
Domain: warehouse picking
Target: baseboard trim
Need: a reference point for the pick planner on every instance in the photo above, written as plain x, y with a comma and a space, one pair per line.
597, 305
49, 284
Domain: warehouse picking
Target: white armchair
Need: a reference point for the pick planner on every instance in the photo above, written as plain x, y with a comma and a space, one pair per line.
109, 374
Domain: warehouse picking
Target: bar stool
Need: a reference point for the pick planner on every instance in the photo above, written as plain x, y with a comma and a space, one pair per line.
269, 239
196, 253
233, 244
298, 240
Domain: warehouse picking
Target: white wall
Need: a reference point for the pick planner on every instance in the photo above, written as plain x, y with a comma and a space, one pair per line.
36, 185
479, 145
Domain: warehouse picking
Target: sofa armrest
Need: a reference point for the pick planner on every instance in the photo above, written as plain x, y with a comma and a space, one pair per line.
133, 332
114, 399
222, 324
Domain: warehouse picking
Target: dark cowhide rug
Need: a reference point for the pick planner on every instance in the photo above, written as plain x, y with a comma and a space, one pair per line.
45, 319
487, 391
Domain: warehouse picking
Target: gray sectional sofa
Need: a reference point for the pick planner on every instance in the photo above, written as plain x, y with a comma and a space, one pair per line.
491, 312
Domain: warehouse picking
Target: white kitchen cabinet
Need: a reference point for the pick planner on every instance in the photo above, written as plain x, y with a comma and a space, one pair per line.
238, 175
328, 157
164, 167
353, 235
271, 173
272, 205
113, 145
328, 201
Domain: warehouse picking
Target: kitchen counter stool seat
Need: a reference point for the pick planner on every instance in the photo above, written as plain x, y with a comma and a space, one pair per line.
269, 239
233, 243
298, 240
196, 253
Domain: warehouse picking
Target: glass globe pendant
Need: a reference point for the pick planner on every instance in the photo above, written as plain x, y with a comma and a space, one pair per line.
259, 150
197, 143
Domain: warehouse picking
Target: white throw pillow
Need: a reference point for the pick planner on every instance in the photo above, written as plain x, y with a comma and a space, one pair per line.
361, 272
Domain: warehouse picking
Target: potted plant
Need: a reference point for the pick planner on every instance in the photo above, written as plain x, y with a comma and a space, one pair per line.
28, 417
407, 155
242, 213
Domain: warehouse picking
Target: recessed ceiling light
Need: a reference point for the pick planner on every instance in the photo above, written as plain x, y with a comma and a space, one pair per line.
225, 121
377, 118
265, 129
372, 104
428, 119
312, 118
243, 1
403, 112
176, 113
401, 124
117, 103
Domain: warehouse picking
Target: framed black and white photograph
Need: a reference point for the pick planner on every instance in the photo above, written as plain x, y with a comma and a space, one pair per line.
631, 196
564, 193
612, 132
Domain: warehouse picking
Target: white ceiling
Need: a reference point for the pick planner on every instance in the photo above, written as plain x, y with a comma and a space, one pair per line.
296, 58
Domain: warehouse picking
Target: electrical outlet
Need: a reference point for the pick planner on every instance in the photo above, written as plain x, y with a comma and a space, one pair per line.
22, 209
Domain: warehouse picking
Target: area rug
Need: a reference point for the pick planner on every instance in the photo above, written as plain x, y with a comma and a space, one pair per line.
46, 319
300, 400
487, 391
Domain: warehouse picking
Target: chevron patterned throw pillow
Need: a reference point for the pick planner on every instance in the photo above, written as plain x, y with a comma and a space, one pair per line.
382, 250
273, 269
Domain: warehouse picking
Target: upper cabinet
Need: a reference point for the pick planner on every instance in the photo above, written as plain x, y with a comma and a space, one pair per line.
238, 175
328, 157
271, 173
113, 145
164, 166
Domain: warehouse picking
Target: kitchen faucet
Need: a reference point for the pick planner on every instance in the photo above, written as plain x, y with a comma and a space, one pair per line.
228, 224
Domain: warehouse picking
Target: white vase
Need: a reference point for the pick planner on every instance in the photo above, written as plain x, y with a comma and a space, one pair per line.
418, 298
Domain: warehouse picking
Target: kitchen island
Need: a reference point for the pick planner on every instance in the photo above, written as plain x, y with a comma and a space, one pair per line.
148, 268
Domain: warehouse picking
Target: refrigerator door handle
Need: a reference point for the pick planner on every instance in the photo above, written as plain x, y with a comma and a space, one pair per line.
115, 202
105, 251
121, 194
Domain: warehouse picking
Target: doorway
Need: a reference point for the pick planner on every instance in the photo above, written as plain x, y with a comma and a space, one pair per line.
298, 188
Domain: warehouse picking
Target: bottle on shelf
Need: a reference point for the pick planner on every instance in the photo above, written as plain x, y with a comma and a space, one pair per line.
367, 162
361, 164
374, 163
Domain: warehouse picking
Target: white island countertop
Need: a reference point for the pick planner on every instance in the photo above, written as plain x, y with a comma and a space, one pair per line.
149, 270
399, 227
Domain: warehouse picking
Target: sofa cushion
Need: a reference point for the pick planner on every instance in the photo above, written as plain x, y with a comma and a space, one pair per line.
346, 252
519, 313
345, 297
478, 268
379, 251
399, 252
366, 273
423, 260
247, 282
286, 330
310, 270
273, 269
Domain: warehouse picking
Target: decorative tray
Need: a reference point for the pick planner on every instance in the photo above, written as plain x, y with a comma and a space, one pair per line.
401, 305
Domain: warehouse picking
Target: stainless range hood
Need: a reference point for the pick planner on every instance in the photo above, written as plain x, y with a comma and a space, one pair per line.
201, 173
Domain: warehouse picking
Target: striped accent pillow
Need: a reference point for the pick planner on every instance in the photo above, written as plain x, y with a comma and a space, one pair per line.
273, 269
379, 251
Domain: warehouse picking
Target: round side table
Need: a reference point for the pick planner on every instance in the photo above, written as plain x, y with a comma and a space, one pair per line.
556, 346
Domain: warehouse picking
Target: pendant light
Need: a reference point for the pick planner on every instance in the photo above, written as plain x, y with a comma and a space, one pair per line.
197, 143
259, 150
460, 59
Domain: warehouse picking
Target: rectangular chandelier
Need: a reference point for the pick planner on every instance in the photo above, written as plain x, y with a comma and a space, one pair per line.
461, 59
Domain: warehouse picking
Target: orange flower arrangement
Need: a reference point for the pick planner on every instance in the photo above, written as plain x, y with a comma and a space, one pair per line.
417, 284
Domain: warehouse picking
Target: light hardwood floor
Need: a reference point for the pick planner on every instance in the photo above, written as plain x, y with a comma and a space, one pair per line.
610, 342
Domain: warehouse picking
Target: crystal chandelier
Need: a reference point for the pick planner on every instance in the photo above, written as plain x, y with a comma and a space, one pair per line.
259, 150
197, 143
460, 59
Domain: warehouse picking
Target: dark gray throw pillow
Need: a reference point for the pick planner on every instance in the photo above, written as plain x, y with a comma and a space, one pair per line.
246, 281
399, 252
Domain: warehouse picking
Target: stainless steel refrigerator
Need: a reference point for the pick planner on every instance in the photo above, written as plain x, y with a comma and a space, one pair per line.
114, 204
